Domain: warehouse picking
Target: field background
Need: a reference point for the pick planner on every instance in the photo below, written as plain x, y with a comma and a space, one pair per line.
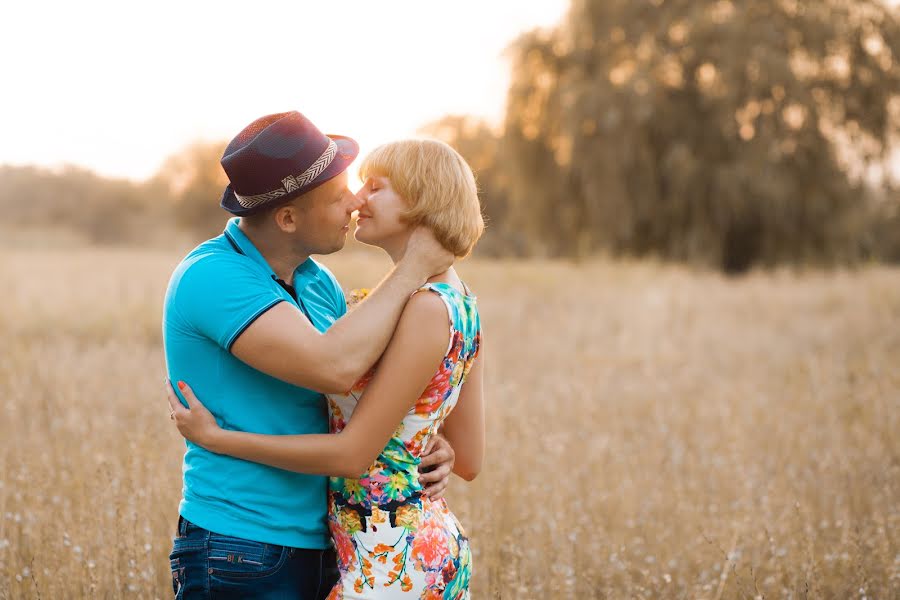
654, 432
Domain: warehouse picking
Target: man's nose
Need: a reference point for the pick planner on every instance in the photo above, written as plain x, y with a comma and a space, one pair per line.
356, 201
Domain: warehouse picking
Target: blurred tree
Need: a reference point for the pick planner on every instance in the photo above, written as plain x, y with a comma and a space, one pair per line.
882, 238
102, 210
721, 132
195, 181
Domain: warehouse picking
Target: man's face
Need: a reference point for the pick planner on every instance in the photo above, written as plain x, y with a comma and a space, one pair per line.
326, 217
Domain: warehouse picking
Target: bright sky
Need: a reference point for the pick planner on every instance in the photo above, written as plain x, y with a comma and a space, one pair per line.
119, 86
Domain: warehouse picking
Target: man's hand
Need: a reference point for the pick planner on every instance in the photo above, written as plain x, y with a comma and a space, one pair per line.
439, 455
425, 255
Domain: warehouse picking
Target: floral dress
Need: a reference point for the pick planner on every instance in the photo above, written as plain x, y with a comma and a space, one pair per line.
391, 540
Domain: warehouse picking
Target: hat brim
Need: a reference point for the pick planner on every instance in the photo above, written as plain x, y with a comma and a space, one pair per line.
347, 151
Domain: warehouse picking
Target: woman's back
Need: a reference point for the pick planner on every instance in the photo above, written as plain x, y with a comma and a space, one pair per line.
393, 541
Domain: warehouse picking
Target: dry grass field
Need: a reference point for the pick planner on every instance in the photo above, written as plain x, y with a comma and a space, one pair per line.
653, 432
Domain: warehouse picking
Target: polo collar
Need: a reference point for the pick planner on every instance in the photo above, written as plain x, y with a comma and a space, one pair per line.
241, 243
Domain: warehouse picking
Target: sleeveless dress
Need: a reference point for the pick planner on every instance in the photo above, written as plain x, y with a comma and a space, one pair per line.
391, 540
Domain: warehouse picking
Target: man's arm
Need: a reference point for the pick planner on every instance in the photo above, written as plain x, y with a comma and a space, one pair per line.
410, 362
284, 344
438, 462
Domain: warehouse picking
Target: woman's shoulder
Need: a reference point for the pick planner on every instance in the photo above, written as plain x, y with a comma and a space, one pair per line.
427, 303
423, 326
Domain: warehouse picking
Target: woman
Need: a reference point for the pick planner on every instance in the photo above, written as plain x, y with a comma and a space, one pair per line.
392, 540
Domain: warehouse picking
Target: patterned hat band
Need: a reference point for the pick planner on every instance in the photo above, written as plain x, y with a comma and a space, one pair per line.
293, 182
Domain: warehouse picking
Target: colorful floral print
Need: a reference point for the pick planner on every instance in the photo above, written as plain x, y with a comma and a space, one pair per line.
391, 541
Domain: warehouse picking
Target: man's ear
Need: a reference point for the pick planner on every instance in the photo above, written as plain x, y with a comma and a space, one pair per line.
286, 217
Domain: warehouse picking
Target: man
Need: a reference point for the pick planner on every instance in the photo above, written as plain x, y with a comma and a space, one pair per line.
258, 329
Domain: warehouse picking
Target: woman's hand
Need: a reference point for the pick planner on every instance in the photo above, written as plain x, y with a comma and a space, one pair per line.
195, 423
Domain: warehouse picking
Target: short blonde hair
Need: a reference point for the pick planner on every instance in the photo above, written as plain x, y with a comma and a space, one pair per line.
439, 186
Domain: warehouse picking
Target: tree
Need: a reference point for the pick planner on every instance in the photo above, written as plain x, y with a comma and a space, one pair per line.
721, 132
103, 210
195, 180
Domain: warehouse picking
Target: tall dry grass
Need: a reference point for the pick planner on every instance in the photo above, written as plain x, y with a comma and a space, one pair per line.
653, 432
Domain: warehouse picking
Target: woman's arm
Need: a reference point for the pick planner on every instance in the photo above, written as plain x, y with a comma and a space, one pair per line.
464, 426
408, 365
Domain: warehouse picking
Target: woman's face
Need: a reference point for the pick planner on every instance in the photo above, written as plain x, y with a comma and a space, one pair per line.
379, 221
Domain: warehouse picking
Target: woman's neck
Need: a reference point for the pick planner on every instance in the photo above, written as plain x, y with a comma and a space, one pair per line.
396, 247
448, 276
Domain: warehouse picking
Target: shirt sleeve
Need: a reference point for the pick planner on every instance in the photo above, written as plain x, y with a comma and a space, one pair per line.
338, 300
219, 296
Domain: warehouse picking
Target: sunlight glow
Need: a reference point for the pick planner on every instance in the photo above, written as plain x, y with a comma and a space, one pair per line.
117, 87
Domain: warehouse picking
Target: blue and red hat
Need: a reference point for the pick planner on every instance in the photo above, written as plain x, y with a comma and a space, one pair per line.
279, 157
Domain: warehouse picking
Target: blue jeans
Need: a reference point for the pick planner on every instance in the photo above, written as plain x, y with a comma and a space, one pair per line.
208, 565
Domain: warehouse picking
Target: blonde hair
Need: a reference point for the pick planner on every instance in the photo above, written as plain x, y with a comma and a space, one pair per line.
439, 186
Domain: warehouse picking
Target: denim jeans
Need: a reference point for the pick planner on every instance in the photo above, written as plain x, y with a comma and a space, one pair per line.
208, 565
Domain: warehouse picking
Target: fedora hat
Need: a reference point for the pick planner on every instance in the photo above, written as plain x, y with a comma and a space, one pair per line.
279, 157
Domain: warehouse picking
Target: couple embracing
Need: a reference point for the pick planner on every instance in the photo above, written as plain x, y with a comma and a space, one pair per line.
320, 438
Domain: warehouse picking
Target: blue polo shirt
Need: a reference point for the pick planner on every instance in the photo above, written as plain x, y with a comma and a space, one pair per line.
216, 292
